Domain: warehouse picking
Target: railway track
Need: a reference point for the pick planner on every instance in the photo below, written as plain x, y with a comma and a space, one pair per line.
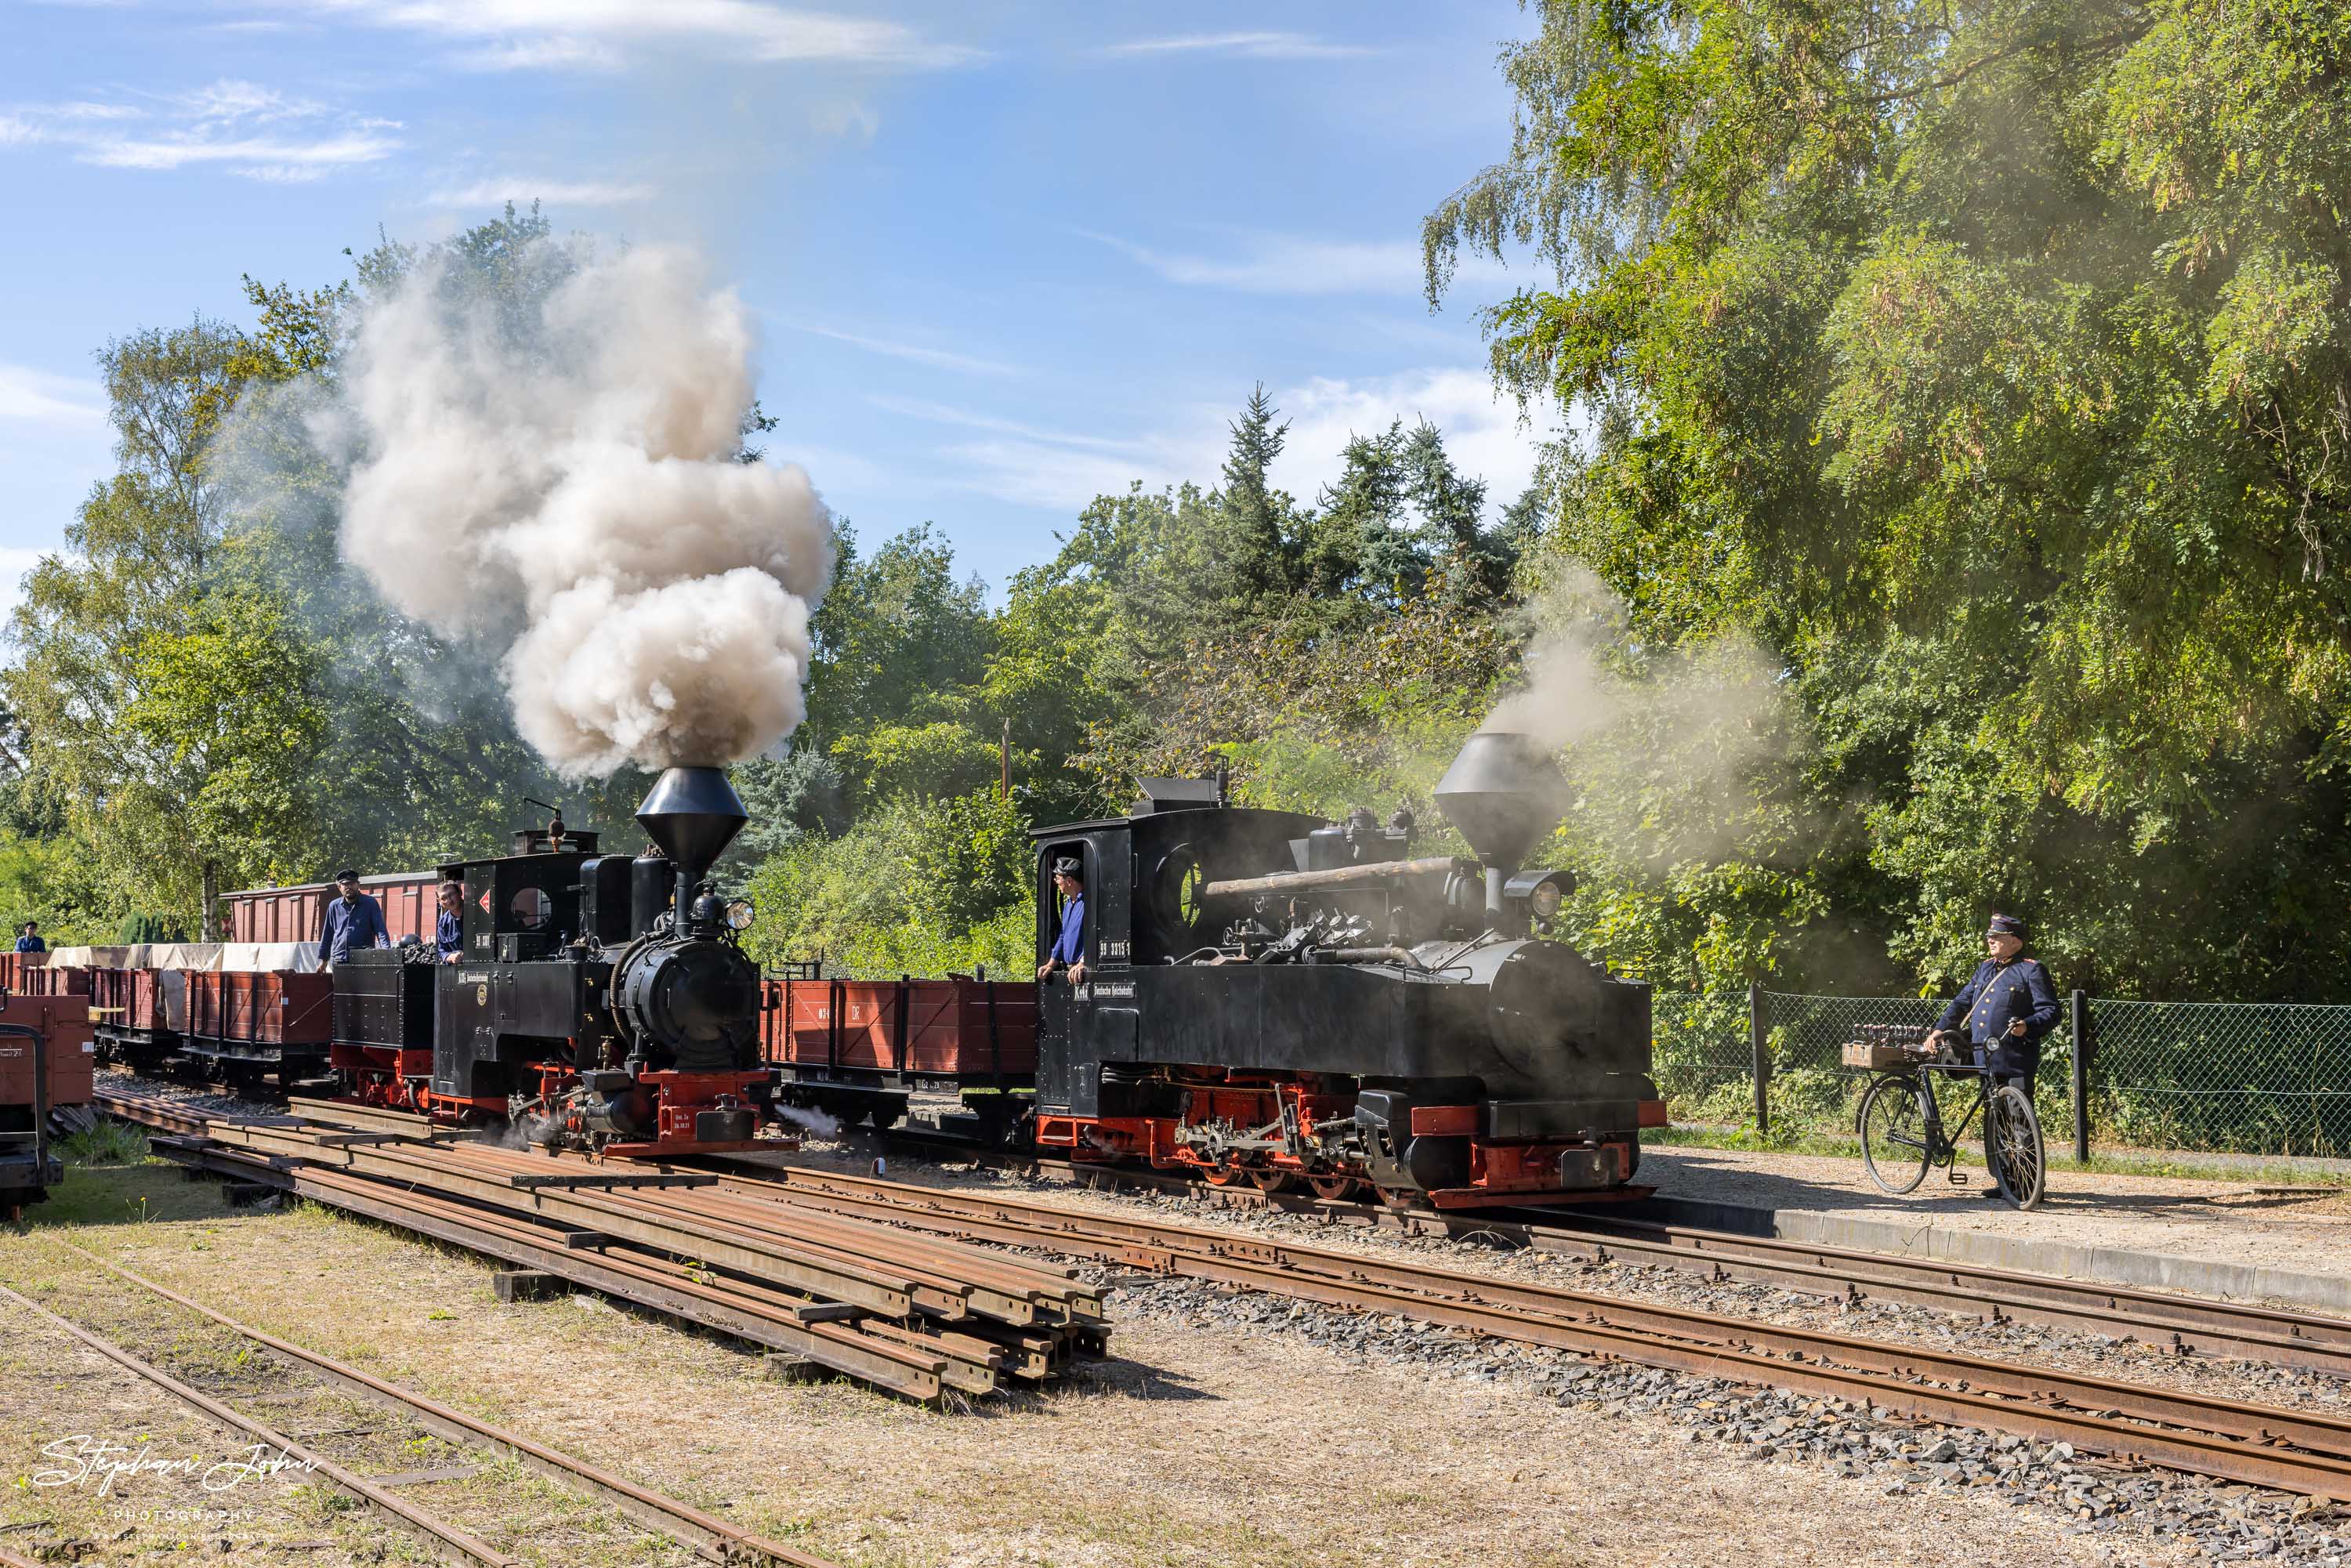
2190, 1325
2223, 1438
709, 1537
438, 1534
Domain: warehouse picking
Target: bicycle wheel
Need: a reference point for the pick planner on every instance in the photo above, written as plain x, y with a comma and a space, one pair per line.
2013, 1147
1893, 1127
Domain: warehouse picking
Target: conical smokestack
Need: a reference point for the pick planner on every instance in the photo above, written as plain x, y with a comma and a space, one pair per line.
692, 813
1504, 794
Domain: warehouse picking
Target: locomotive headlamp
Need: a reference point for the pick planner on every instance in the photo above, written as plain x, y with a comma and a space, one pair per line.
739, 914
1540, 892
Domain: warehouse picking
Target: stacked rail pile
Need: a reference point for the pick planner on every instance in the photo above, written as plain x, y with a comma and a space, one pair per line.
918, 1316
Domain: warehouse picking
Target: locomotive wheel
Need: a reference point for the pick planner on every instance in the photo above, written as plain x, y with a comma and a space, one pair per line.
1220, 1176
1272, 1179
1403, 1199
1331, 1187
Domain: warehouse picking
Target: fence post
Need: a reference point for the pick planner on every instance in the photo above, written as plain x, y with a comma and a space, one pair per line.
2077, 1021
1756, 1041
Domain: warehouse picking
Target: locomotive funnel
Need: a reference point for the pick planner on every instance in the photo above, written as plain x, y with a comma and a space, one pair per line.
1503, 794
692, 813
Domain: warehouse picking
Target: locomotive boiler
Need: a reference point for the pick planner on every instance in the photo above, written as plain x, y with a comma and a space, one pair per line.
600, 1001
1282, 999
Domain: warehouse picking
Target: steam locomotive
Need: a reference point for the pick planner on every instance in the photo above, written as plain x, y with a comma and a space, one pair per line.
600, 1001
1276, 998
1279, 998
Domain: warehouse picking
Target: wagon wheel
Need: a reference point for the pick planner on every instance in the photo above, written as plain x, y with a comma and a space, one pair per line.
1331, 1187
1273, 1178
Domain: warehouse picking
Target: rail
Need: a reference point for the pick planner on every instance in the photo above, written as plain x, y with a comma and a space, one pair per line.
682, 1521
2225, 1438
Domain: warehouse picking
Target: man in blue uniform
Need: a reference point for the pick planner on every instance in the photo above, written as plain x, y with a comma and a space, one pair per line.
449, 931
1070, 946
2008, 1007
353, 920
29, 940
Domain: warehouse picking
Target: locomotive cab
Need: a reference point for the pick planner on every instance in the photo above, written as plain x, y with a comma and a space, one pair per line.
1276, 998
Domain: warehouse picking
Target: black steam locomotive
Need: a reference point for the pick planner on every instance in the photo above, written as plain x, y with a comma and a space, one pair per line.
1277, 998
600, 1001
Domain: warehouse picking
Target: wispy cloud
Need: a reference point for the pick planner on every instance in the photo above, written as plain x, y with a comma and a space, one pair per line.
1031, 465
1244, 46
263, 157
554, 193
240, 126
948, 413
595, 34
940, 359
28, 396
1285, 264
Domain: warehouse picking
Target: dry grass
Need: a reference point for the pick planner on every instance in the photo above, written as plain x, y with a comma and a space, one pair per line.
1198, 1447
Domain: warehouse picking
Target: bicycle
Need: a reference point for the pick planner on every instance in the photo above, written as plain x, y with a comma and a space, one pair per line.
1901, 1126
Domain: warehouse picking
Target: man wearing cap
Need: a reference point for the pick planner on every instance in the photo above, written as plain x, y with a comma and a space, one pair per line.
1070, 946
29, 940
449, 930
353, 920
2008, 1007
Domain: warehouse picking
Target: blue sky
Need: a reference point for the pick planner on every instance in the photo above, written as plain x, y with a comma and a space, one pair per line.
1005, 256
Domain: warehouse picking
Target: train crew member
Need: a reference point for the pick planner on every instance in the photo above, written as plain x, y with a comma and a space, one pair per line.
1070, 946
449, 931
353, 920
2008, 1007
29, 940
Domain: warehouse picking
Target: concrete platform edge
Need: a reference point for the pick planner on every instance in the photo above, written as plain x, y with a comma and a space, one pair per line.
2110, 1265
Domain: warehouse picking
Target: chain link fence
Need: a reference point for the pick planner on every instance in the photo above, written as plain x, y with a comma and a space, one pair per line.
2220, 1077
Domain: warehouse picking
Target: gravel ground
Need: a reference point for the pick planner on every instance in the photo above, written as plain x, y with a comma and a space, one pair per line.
2245, 1222
2223, 1523
2100, 1355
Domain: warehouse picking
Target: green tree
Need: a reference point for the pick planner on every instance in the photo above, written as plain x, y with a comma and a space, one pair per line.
1988, 366
166, 711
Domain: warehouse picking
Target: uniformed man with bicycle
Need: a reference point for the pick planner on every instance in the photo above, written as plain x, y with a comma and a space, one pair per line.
2008, 1007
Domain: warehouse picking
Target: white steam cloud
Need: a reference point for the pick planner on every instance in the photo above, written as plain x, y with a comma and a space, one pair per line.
557, 479
1666, 750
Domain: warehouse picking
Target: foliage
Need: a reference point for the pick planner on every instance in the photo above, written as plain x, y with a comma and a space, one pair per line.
1985, 366
915, 886
166, 712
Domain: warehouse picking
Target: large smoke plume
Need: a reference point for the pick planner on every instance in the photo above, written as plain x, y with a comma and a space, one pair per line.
550, 473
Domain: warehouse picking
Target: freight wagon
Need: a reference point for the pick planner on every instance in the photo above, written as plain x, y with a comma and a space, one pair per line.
856, 1051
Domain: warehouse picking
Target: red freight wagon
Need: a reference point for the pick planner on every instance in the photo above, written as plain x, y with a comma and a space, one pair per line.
72, 1053
259, 1014
299, 913
128, 998
858, 1049
51, 980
